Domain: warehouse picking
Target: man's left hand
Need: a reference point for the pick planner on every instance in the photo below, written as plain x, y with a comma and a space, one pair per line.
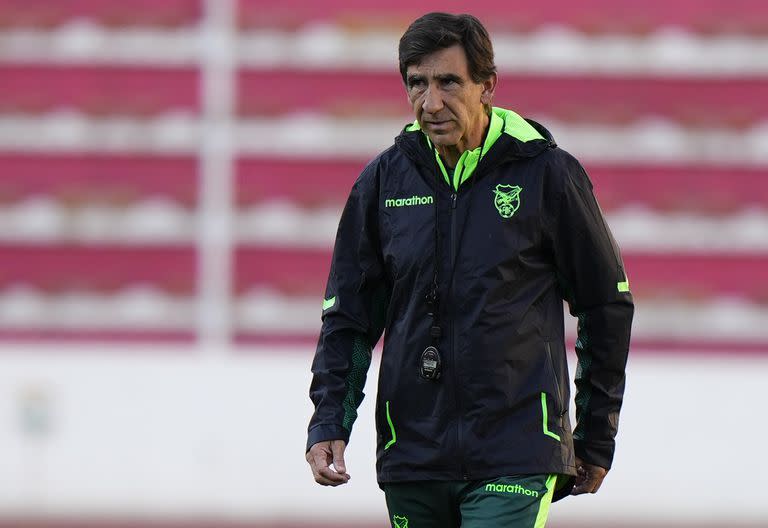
589, 477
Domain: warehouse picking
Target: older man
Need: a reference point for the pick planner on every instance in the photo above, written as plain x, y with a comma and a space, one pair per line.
461, 241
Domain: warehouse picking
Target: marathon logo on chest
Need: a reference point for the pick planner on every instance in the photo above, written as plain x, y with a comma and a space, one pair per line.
408, 202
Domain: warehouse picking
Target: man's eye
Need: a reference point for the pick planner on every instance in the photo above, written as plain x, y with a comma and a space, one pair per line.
416, 84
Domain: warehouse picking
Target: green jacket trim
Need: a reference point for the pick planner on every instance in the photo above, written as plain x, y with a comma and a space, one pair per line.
545, 418
546, 501
392, 440
502, 121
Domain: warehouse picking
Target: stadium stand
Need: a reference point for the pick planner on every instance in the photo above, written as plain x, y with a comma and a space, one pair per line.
100, 149
707, 218
148, 222
685, 188
588, 16
101, 233
567, 97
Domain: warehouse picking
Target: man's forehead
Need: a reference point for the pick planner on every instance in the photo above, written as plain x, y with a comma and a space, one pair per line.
448, 61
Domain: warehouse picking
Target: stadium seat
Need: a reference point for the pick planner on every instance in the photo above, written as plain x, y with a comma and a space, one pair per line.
78, 178
68, 267
703, 188
303, 272
600, 99
117, 13
101, 91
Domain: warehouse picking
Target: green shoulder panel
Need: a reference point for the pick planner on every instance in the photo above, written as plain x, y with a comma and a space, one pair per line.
516, 126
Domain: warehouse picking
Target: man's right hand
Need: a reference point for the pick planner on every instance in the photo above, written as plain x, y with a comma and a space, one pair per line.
589, 477
321, 455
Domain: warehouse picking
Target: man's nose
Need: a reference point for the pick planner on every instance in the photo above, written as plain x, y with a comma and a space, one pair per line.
433, 102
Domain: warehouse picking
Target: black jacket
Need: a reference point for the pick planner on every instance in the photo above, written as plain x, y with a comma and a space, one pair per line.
520, 235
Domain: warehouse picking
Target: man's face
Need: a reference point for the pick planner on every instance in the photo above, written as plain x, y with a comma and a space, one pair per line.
448, 104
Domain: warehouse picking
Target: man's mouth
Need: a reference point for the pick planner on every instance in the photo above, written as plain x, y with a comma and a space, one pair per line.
437, 123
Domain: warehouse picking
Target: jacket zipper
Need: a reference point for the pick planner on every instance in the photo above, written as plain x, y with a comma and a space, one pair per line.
456, 384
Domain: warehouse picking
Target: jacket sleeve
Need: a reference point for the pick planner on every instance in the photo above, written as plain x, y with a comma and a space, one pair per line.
356, 298
592, 280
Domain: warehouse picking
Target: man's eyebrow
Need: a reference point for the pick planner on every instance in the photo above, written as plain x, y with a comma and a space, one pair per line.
442, 77
415, 77
448, 77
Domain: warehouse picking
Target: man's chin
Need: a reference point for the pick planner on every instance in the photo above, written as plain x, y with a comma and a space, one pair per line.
441, 140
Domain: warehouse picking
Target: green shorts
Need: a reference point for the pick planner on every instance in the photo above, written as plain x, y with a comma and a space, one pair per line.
511, 502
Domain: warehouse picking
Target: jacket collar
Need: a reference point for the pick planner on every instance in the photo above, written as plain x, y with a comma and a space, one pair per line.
509, 136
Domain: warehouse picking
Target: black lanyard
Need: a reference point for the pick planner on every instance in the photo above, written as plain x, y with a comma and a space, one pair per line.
430, 364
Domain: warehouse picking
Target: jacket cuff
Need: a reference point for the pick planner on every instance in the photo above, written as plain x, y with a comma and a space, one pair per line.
323, 432
595, 453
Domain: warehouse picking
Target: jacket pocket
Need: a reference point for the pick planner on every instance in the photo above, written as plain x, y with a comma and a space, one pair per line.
560, 406
545, 419
386, 426
391, 439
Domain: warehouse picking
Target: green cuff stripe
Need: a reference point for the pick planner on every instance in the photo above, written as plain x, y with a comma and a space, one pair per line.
623, 286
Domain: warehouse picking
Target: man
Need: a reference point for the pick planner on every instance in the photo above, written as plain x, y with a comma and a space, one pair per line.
462, 240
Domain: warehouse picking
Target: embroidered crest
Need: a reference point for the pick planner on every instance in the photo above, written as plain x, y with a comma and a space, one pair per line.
400, 522
507, 199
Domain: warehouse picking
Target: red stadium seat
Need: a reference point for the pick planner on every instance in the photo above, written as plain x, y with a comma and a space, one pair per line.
690, 276
80, 335
584, 98
62, 268
693, 189
79, 178
310, 183
288, 271
703, 189
118, 13
98, 90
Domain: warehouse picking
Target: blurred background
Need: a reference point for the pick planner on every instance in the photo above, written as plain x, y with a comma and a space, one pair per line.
171, 177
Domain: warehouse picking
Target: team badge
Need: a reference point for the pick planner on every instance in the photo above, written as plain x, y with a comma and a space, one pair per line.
400, 522
507, 199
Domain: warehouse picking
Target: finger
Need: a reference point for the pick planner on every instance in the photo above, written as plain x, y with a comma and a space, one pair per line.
597, 485
318, 459
320, 456
587, 486
323, 474
338, 457
332, 477
323, 481
580, 477
321, 460
589, 483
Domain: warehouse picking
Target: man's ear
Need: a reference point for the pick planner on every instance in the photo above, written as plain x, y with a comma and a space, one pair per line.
489, 88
